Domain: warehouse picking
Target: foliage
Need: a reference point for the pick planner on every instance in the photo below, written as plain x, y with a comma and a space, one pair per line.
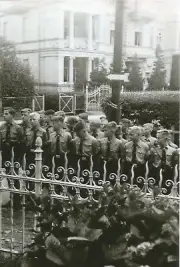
147, 106
15, 78
124, 228
99, 74
135, 76
175, 77
157, 79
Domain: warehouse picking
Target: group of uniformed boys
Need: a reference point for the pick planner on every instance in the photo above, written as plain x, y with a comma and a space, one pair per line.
81, 139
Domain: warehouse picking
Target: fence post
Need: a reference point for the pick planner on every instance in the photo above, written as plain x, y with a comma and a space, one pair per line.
38, 162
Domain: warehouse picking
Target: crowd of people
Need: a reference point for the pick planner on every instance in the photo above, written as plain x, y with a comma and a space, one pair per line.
104, 141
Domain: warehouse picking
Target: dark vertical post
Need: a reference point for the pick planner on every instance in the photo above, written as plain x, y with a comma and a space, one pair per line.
117, 62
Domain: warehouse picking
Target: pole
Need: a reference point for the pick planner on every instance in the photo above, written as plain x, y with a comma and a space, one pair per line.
117, 61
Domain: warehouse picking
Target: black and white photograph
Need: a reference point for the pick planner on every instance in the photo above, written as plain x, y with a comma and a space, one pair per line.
89, 133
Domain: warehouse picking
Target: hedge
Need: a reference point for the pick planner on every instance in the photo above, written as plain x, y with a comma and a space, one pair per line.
147, 106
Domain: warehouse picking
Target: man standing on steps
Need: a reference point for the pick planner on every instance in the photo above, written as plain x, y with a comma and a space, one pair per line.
111, 150
136, 153
147, 138
11, 136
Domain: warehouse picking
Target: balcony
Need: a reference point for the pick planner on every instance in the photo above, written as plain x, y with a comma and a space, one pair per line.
141, 16
141, 52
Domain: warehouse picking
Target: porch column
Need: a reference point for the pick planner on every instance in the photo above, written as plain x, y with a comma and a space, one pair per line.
60, 69
90, 31
71, 30
89, 68
71, 71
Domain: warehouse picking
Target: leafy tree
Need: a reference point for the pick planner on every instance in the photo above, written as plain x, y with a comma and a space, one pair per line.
135, 76
99, 74
158, 76
16, 79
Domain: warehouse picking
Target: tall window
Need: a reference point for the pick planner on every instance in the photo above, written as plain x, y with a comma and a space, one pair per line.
66, 25
138, 39
112, 36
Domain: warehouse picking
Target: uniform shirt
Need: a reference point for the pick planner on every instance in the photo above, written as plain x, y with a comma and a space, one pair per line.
142, 151
156, 155
25, 129
49, 131
15, 133
90, 146
40, 132
64, 144
150, 141
116, 149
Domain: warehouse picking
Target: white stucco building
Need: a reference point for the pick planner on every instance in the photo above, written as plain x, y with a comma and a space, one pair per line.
62, 40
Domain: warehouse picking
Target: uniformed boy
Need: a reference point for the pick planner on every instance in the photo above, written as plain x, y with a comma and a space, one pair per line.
11, 136
164, 157
60, 141
95, 130
119, 135
84, 118
83, 147
42, 118
147, 138
125, 127
136, 153
31, 137
49, 115
111, 150
70, 123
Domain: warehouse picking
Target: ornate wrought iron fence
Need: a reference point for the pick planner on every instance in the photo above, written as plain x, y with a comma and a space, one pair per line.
64, 178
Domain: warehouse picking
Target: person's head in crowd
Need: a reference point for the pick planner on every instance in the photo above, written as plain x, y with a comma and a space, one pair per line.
135, 133
71, 122
125, 123
80, 129
49, 114
110, 129
147, 128
42, 117
103, 121
171, 137
34, 120
83, 117
163, 137
25, 112
60, 113
94, 126
8, 114
58, 123
119, 132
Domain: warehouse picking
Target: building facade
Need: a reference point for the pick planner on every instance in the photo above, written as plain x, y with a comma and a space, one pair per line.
63, 41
